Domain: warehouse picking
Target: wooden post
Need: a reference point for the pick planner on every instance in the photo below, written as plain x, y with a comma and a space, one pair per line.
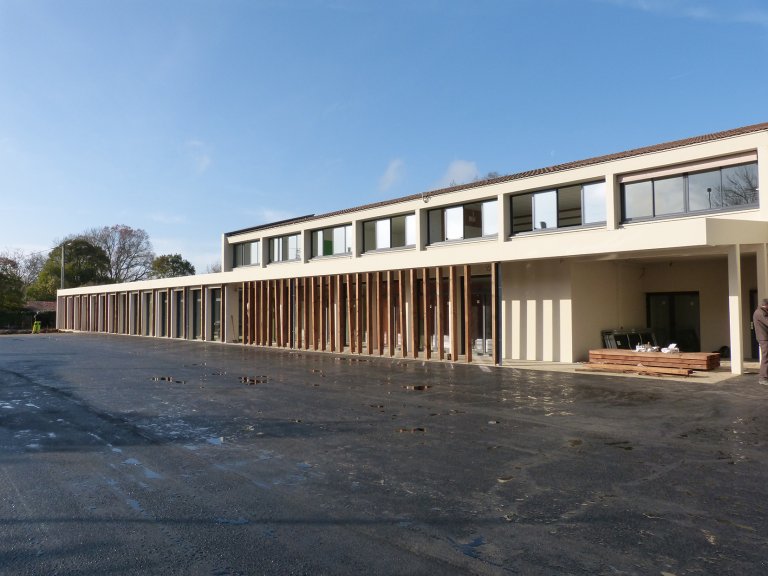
401, 305
391, 336
358, 315
439, 337
331, 314
454, 328
368, 323
307, 311
495, 313
414, 315
338, 337
427, 335
350, 319
468, 312
379, 319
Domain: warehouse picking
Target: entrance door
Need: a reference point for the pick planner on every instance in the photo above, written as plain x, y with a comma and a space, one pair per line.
674, 318
482, 320
216, 314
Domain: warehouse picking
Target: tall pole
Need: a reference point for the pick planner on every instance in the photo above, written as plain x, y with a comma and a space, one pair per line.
62, 265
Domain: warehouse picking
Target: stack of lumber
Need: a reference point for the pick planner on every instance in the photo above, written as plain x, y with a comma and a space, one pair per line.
657, 363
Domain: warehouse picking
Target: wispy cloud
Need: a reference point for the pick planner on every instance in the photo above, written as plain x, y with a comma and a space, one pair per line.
164, 218
199, 154
458, 172
267, 215
736, 11
392, 175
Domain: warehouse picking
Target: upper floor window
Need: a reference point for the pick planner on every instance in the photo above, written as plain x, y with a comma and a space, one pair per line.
246, 253
473, 220
284, 248
330, 241
576, 205
718, 189
394, 232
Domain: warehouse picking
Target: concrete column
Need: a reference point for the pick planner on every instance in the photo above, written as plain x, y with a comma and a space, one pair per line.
734, 309
762, 271
612, 202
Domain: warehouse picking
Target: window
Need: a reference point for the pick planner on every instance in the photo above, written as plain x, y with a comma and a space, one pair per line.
246, 254
727, 187
394, 232
474, 220
332, 241
576, 205
284, 248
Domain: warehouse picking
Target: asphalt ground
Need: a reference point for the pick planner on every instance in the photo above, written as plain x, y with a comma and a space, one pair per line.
123, 455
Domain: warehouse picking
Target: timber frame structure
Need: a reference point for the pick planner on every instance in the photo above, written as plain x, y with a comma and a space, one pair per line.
533, 266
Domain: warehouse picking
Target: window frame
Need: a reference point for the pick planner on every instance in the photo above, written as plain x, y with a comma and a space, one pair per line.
445, 220
276, 248
346, 233
553, 195
686, 175
237, 253
379, 226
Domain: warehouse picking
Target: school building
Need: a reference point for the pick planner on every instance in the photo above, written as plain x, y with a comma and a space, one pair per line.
669, 240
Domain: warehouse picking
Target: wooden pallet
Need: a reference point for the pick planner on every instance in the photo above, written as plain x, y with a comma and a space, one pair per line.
684, 360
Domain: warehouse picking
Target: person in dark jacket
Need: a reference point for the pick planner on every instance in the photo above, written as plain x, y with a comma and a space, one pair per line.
760, 322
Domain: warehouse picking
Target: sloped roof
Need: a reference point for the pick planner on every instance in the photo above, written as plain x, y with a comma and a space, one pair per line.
528, 174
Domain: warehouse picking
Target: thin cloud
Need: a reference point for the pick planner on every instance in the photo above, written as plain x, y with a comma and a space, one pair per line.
459, 172
199, 154
392, 175
738, 11
267, 215
164, 218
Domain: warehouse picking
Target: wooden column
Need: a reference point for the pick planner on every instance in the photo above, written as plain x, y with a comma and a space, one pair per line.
331, 314
454, 325
307, 311
414, 315
313, 312
379, 319
468, 312
391, 336
350, 328
358, 316
440, 329
402, 310
368, 335
495, 313
339, 331
427, 315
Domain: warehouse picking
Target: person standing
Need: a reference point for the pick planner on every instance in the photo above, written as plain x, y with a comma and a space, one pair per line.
760, 322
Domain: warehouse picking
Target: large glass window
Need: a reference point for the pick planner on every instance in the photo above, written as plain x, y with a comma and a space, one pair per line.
568, 206
246, 254
473, 220
394, 232
284, 248
717, 189
332, 241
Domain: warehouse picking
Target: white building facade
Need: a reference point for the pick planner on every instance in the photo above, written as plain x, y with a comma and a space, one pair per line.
669, 240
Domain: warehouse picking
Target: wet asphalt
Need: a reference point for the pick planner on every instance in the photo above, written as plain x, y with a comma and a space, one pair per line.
123, 455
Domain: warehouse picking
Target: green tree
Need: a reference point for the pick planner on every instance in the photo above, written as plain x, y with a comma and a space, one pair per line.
11, 285
84, 265
171, 266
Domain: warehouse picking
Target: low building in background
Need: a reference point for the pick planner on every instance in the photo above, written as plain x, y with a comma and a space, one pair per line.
670, 239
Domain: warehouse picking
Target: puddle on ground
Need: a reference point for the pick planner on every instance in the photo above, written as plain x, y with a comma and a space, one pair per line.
419, 387
252, 380
471, 548
623, 444
412, 429
167, 379
233, 521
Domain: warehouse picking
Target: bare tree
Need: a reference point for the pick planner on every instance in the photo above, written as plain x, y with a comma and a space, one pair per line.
28, 266
129, 251
214, 268
740, 185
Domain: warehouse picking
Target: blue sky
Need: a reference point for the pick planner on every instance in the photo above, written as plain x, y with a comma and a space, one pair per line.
189, 118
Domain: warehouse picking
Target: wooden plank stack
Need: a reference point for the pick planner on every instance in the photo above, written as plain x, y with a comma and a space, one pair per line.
677, 364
